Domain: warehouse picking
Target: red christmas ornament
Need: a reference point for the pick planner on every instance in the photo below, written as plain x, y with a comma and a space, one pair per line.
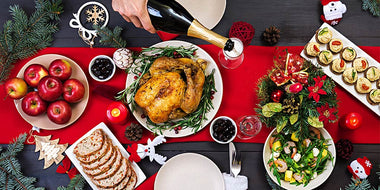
276, 95
242, 30
351, 120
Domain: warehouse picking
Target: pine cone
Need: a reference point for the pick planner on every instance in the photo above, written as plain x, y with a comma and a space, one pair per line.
344, 148
271, 35
134, 132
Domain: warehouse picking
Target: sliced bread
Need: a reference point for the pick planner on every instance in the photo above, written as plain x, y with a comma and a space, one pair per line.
102, 160
114, 179
97, 155
90, 144
113, 162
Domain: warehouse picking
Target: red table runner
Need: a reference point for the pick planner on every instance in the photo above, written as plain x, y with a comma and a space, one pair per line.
239, 99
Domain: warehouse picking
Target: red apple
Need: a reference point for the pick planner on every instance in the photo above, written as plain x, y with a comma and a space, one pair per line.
60, 68
32, 104
50, 88
59, 112
16, 88
73, 90
34, 73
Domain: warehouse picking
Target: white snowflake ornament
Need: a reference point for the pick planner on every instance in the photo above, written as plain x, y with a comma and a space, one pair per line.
123, 58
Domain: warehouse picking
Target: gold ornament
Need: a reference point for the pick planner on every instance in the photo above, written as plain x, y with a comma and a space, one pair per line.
50, 150
95, 15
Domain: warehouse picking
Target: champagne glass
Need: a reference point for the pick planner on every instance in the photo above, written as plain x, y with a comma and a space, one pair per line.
234, 58
248, 127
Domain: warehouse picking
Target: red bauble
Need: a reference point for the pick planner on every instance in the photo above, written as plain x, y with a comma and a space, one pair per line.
276, 95
242, 30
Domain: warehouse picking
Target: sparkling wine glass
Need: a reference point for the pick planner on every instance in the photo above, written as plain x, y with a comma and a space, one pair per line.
248, 127
234, 58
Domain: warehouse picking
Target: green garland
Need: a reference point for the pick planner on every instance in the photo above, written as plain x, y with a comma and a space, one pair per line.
141, 66
23, 36
273, 114
11, 176
373, 6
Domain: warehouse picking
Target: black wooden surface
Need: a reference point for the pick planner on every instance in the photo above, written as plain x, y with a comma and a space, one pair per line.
297, 20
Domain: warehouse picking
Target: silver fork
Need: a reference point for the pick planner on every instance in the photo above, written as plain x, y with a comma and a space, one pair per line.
236, 164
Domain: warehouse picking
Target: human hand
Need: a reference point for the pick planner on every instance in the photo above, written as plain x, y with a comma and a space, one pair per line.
134, 11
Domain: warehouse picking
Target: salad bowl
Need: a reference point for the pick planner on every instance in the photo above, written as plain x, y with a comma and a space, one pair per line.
314, 183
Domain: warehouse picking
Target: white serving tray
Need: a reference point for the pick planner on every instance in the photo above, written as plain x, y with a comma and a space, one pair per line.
338, 77
69, 152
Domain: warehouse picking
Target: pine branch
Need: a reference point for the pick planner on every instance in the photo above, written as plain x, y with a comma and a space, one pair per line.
11, 176
111, 38
373, 6
23, 36
77, 183
357, 184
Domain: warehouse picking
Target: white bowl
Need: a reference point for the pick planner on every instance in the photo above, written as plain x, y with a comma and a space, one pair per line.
212, 130
313, 183
92, 63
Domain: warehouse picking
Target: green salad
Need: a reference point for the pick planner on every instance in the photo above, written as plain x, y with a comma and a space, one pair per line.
298, 160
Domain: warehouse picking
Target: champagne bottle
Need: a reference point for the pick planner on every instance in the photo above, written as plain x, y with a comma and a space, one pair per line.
170, 16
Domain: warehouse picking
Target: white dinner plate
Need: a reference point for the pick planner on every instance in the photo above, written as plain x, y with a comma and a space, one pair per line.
207, 12
217, 96
338, 77
189, 171
70, 153
321, 178
77, 109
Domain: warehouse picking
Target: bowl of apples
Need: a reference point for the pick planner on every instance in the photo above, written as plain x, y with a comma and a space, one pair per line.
50, 91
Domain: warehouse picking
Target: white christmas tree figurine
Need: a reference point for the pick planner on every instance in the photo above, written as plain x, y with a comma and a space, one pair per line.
50, 150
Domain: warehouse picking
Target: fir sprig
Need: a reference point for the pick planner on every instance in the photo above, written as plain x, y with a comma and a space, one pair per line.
11, 176
373, 6
77, 183
358, 184
111, 37
23, 36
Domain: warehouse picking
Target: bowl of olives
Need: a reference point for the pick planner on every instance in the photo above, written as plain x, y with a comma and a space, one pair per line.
102, 68
223, 129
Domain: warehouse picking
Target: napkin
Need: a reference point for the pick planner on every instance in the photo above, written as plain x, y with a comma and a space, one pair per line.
166, 36
235, 183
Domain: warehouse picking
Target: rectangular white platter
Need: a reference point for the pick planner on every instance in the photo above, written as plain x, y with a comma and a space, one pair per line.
69, 152
338, 77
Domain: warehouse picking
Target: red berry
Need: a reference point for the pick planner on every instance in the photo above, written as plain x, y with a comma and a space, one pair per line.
179, 127
135, 77
212, 92
211, 97
143, 116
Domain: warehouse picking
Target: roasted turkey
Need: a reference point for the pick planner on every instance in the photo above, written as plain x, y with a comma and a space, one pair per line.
171, 89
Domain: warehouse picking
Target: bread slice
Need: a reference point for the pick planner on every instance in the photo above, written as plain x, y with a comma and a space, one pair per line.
116, 178
111, 152
113, 162
97, 155
110, 171
130, 179
90, 144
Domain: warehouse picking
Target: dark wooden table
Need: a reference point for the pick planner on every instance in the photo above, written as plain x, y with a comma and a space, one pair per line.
297, 20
